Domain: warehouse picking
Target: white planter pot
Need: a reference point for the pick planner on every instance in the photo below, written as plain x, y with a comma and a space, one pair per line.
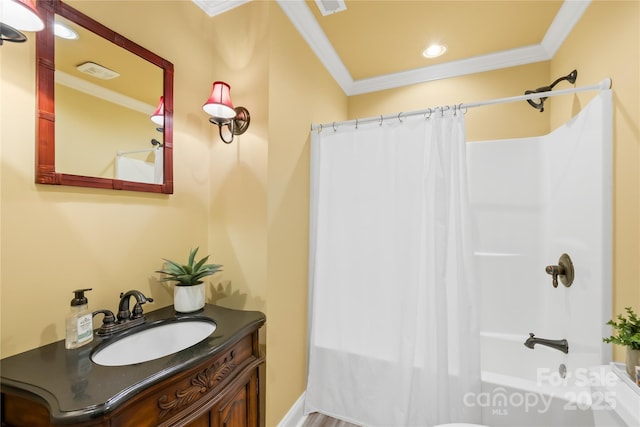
187, 299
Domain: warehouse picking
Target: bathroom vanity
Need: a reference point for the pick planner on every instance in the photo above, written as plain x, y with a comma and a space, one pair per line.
213, 383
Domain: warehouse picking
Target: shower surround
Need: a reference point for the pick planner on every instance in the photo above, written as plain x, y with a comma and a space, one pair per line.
532, 200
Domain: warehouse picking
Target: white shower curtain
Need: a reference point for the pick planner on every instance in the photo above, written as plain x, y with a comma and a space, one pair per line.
393, 316
140, 170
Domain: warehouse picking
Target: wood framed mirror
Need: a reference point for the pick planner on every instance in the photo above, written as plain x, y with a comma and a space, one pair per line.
96, 132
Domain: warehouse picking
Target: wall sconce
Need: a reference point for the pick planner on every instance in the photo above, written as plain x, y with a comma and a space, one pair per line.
17, 16
223, 114
158, 115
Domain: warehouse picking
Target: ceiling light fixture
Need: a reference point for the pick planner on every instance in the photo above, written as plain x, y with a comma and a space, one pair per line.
434, 50
17, 16
222, 112
64, 32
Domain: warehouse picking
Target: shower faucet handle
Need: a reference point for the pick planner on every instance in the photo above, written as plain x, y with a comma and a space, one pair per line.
564, 270
554, 271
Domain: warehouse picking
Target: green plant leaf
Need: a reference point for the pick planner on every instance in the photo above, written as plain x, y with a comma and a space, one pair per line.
188, 274
200, 263
626, 330
192, 255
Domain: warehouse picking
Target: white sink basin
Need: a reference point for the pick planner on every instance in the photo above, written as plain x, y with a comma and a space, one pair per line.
154, 343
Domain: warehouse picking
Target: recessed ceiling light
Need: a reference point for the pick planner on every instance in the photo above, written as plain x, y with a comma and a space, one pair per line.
64, 32
434, 51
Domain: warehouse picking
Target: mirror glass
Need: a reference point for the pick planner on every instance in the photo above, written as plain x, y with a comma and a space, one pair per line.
100, 91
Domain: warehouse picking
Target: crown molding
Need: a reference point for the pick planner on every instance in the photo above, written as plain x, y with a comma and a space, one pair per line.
108, 95
568, 16
303, 20
299, 14
217, 7
445, 70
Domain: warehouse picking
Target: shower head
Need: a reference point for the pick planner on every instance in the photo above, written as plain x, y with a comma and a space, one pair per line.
538, 103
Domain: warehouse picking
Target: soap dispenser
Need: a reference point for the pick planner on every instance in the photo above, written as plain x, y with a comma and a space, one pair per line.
79, 322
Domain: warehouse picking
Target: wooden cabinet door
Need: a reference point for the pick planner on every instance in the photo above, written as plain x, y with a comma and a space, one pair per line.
202, 421
234, 414
239, 408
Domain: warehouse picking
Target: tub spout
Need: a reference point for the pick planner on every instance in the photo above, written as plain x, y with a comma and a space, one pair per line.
561, 345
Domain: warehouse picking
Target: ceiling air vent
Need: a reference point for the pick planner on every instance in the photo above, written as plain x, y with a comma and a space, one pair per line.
97, 70
327, 7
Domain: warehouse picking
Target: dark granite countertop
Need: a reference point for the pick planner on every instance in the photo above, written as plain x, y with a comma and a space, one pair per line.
76, 389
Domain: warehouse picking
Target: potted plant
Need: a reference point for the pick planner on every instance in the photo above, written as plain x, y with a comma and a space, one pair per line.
189, 291
627, 334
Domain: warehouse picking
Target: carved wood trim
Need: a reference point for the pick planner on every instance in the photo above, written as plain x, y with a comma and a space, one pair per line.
201, 384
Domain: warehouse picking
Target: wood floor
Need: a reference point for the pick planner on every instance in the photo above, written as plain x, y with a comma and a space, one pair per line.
319, 420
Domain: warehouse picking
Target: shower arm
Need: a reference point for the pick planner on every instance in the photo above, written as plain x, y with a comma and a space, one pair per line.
571, 78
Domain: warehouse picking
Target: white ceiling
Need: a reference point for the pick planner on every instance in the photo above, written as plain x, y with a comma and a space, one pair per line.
541, 31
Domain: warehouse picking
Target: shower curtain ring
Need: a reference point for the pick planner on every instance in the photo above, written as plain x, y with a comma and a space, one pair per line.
429, 116
380, 124
320, 129
460, 108
356, 124
334, 127
399, 119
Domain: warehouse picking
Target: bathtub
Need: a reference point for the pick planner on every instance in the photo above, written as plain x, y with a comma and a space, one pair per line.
541, 387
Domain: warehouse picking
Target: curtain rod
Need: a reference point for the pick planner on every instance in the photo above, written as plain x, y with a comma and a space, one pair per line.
603, 85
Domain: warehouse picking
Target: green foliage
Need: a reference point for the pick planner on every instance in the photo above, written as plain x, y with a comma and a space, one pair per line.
628, 330
189, 274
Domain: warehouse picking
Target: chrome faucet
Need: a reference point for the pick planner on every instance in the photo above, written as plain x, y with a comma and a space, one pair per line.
562, 345
125, 318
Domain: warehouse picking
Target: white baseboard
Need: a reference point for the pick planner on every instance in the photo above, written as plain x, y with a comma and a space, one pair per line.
295, 416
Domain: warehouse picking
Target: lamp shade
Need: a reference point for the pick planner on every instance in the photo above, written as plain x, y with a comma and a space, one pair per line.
158, 116
21, 15
219, 105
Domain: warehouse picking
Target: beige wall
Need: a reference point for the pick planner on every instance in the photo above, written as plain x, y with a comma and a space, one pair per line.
301, 92
247, 203
56, 239
90, 131
490, 122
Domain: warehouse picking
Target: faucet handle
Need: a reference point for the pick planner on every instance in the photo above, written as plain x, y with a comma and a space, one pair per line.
563, 270
554, 271
108, 322
108, 318
136, 313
